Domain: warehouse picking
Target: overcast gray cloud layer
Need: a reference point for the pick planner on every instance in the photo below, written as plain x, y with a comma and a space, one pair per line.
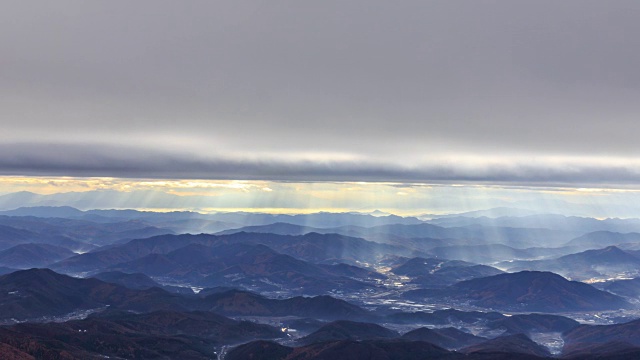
134, 162
357, 90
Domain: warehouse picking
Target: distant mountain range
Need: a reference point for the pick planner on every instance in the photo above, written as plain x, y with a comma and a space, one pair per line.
600, 239
104, 227
76, 235
317, 248
424, 237
542, 221
496, 212
320, 219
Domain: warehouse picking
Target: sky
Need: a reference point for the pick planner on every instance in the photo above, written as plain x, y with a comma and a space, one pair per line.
533, 94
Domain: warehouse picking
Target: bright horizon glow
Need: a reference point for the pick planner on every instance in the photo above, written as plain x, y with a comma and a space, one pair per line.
309, 197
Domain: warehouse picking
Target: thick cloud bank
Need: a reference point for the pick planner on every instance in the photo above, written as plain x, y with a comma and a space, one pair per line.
493, 91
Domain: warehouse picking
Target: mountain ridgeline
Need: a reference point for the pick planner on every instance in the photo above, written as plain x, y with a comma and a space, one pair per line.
495, 284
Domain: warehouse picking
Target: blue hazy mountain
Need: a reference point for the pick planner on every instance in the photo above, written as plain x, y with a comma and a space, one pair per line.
600, 263
600, 239
528, 291
310, 247
58, 231
320, 219
542, 221
426, 236
249, 266
31, 255
626, 287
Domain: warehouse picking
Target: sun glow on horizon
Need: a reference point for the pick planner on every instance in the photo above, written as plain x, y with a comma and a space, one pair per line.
278, 197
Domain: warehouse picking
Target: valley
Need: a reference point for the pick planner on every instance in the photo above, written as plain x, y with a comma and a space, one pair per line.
304, 286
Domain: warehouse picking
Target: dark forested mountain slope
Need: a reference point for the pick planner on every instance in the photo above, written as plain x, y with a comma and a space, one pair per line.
348, 330
510, 344
31, 255
35, 293
163, 334
448, 338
